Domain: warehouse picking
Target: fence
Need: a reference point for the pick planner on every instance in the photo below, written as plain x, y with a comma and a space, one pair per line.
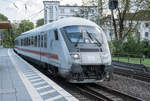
132, 58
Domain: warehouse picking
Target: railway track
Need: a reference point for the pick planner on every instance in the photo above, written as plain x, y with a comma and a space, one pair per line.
102, 93
133, 74
92, 92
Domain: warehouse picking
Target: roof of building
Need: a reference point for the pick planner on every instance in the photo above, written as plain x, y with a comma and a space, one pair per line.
5, 25
142, 15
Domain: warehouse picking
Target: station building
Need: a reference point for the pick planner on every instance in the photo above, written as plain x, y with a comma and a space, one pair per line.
54, 11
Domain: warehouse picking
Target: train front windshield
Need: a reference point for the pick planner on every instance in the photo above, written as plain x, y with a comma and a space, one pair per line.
83, 34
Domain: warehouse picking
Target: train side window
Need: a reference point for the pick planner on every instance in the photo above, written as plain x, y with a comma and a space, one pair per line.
29, 41
41, 40
32, 41
38, 40
56, 34
25, 41
45, 41
21, 42
35, 41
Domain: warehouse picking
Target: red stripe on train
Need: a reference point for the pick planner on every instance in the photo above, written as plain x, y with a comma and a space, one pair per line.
50, 55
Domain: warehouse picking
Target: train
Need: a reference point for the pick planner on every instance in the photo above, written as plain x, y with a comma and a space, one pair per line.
73, 48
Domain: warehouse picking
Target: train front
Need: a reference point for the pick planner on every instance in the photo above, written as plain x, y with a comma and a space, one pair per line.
89, 52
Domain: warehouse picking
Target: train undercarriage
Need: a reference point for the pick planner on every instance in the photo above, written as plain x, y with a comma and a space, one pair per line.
91, 73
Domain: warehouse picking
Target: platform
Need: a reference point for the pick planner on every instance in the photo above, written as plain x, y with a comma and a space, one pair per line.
20, 81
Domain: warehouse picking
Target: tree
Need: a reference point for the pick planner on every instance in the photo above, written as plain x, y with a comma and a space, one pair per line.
40, 22
126, 22
3, 17
121, 29
5, 33
25, 25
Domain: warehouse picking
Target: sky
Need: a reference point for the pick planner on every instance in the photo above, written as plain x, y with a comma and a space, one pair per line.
27, 9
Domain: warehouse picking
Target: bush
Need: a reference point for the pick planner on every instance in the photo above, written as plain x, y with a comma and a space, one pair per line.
132, 46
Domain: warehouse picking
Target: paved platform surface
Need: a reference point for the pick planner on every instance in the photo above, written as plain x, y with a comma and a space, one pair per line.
19, 81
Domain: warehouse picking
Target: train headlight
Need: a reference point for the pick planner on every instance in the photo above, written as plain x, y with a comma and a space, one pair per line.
75, 56
87, 41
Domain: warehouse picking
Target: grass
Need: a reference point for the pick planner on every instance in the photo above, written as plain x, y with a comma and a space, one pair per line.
146, 61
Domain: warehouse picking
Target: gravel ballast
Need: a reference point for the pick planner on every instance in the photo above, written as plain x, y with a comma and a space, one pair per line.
129, 86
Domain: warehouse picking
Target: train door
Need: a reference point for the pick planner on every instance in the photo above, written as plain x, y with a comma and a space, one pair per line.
39, 46
54, 47
44, 50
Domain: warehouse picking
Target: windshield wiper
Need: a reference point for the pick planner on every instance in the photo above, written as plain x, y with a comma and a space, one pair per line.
91, 36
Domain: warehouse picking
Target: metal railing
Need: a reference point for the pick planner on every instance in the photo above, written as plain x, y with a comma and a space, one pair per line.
132, 58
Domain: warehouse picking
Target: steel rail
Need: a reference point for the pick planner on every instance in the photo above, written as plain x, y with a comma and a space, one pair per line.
133, 74
112, 94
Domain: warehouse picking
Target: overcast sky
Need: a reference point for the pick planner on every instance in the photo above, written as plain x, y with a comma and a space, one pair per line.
27, 9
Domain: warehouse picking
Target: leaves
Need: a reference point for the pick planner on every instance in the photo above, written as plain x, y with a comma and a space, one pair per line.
132, 45
3, 18
40, 22
25, 25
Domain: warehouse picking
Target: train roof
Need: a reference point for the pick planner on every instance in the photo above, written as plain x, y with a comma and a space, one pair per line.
70, 21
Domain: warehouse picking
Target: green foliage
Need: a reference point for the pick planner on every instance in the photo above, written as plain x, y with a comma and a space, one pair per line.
25, 25
8, 41
117, 46
3, 18
40, 22
11, 34
146, 61
132, 45
4, 32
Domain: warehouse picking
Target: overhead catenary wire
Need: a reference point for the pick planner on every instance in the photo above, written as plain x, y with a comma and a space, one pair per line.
27, 9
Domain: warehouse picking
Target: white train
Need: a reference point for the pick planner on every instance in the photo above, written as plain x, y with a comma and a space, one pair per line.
73, 48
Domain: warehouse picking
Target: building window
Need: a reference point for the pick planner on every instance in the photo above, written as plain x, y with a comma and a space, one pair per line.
71, 10
51, 12
62, 10
146, 34
146, 24
91, 11
51, 9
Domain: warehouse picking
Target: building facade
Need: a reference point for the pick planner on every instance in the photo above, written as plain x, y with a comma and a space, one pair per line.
54, 11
